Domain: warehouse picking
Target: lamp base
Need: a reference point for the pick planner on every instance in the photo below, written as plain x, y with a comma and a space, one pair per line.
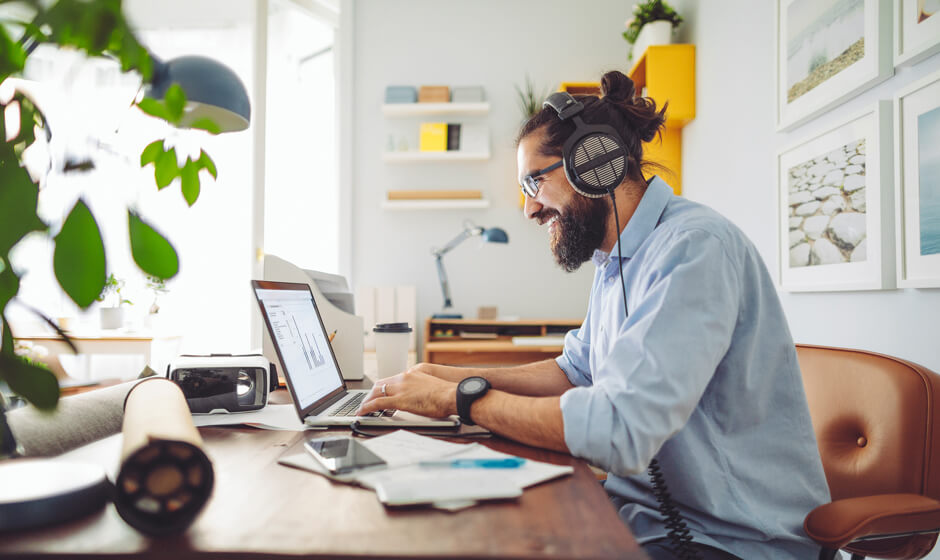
447, 316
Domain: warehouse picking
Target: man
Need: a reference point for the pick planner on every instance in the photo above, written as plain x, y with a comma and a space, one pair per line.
699, 372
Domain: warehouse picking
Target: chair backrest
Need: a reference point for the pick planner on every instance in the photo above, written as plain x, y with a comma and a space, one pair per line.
877, 427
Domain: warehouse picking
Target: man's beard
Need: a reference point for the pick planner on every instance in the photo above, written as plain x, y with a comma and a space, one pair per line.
579, 232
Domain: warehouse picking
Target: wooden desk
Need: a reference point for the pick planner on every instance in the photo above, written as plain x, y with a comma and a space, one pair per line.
481, 342
260, 509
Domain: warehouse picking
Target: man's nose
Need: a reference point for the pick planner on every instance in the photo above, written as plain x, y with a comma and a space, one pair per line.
531, 207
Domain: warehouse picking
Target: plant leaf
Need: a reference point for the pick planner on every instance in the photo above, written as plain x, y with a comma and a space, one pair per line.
207, 124
151, 152
14, 57
19, 197
79, 259
6, 343
9, 285
165, 168
154, 108
35, 384
152, 252
205, 162
175, 101
189, 177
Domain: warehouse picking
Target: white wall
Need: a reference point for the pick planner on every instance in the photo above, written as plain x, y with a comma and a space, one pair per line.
492, 43
729, 163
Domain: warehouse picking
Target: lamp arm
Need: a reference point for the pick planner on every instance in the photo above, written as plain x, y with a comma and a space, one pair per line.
442, 276
461, 237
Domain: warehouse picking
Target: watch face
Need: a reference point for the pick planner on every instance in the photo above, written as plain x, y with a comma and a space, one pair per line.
472, 385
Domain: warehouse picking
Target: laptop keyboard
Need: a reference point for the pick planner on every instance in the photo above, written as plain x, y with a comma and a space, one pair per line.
352, 405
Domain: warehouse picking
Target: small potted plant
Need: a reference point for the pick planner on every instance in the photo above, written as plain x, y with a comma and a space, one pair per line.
158, 287
112, 316
530, 98
652, 24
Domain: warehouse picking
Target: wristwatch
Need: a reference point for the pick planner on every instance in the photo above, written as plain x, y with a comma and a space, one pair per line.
468, 391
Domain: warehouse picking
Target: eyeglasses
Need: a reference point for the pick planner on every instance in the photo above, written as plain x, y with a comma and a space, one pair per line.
530, 183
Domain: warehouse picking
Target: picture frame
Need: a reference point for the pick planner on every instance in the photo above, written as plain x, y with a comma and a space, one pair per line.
917, 183
836, 207
828, 51
916, 30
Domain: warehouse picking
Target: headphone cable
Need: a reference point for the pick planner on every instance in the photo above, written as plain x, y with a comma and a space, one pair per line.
678, 532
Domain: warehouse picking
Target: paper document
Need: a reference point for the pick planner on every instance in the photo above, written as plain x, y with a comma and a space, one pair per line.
271, 417
404, 481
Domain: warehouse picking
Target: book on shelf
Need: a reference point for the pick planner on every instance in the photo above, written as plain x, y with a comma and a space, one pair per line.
434, 194
453, 137
433, 137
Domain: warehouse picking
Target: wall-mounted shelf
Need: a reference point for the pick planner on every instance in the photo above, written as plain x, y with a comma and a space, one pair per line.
435, 204
422, 109
668, 74
414, 156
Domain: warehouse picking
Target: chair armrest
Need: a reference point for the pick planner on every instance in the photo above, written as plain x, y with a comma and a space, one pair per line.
836, 524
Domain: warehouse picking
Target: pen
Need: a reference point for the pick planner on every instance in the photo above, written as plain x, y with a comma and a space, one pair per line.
507, 463
332, 335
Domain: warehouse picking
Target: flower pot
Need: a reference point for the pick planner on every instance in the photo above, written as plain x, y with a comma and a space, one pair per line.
111, 317
653, 33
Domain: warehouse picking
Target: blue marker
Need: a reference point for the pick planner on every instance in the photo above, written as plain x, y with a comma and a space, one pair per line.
507, 463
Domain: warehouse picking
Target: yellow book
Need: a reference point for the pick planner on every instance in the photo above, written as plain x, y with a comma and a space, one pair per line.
433, 137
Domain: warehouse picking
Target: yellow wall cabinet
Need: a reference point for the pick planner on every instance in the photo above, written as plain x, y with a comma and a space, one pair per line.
667, 74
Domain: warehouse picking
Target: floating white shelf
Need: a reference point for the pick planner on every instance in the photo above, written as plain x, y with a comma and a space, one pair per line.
414, 156
435, 204
418, 109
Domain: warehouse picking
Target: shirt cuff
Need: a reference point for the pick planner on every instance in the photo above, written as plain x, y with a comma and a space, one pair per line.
571, 372
574, 406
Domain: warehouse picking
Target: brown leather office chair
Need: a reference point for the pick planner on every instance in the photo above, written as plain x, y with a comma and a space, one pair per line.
877, 425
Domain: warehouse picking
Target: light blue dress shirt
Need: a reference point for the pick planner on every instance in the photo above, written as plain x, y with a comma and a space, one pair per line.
703, 376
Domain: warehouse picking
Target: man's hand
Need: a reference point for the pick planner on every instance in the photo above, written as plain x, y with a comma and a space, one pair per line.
413, 391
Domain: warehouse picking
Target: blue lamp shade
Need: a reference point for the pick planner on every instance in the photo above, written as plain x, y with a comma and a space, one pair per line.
212, 90
495, 235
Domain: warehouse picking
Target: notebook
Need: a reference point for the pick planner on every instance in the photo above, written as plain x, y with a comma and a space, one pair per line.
313, 376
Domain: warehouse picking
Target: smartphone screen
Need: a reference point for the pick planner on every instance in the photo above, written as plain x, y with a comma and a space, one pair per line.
342, 455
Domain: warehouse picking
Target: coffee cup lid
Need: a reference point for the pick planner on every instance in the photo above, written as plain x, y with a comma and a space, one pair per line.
392, 327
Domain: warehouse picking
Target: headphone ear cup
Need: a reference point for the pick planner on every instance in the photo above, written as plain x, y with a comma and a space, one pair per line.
595, 163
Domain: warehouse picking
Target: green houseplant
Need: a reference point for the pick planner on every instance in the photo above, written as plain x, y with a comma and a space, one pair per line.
657, 17
97, 28
530, 98
112, 316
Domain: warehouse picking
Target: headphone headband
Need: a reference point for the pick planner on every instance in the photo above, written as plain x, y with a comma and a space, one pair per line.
594, 156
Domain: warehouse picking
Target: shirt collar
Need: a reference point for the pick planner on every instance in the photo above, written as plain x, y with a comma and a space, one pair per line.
642, 223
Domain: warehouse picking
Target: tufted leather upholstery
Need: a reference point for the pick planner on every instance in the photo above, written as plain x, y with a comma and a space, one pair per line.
877, 425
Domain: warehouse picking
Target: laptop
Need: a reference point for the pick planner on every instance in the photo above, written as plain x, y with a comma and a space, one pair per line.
313, 376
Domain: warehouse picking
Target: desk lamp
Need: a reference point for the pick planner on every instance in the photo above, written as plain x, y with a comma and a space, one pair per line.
212, 91
489, 235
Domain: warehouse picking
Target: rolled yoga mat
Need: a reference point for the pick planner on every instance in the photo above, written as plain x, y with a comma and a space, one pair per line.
165, 477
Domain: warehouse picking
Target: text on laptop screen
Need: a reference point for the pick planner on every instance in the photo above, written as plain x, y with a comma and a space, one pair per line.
302, 341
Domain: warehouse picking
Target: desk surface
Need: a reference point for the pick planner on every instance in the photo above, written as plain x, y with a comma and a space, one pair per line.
262, 509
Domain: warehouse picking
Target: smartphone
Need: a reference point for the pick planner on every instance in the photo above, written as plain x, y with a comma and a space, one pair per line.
341, 455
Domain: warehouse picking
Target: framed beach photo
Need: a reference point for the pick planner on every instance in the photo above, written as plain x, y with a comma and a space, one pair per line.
916, 30
836, 207
917, 181
827, 52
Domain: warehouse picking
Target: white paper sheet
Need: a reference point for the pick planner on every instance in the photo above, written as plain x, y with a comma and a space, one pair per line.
271, 417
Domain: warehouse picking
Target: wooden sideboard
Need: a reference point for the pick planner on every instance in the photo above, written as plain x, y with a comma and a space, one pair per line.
481, 342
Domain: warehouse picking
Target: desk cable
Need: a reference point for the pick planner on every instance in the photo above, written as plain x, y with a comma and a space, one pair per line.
356, 428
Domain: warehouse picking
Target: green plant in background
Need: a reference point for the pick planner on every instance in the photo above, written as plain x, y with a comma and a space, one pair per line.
112, 291
647, 12
530, 98
158, 287
98, 28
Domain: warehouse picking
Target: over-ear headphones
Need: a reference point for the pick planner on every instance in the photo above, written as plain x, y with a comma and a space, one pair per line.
594, 156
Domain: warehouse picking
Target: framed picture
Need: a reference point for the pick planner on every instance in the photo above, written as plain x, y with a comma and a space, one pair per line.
836, 207
827, 52
916, 30
917, 180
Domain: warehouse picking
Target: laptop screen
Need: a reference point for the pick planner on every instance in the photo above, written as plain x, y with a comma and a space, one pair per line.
299, 336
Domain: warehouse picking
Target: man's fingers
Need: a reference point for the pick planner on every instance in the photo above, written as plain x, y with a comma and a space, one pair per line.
378, 403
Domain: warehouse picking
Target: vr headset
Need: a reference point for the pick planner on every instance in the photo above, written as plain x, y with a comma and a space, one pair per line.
223, 382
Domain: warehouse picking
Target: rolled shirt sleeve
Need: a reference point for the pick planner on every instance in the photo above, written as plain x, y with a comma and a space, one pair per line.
685, 304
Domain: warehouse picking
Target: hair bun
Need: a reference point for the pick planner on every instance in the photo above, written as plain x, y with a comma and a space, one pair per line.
617, 87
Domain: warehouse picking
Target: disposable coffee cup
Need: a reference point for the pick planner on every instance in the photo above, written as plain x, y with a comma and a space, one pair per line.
391, 348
